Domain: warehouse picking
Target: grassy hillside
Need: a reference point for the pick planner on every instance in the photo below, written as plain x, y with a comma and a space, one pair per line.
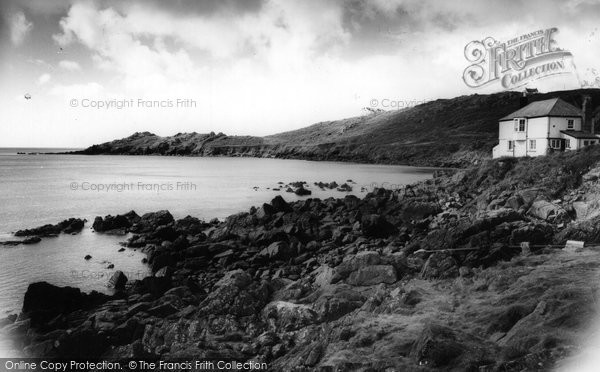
446, 132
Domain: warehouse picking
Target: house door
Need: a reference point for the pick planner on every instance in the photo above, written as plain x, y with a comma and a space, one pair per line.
520, 148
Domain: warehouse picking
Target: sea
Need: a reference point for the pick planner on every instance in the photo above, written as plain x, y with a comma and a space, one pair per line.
37, 188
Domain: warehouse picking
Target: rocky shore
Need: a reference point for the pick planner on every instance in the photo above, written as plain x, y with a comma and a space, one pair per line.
433, 276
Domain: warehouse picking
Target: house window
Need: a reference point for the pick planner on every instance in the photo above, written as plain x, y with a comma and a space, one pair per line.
586, 143
570, 124
519, 125
555, 143
510, 145
568, 143
532, 144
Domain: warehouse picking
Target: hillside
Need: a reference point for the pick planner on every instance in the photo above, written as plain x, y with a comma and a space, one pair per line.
446, 132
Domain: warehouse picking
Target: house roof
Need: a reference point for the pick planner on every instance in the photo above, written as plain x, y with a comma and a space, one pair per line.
579, 134
548, 107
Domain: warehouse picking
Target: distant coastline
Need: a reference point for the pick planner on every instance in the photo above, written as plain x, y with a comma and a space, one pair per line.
453, 133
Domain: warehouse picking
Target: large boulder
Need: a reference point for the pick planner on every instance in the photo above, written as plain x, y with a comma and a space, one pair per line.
121, 221
280, 205
288, 316
417, 210
70, 226
235, 296
437, 346
277, 251
547, 211
439, 265
334, 305
376, 226
372, 275
44, 301
117, 280
151, 221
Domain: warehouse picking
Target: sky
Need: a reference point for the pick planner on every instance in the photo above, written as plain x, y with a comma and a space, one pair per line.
78, 72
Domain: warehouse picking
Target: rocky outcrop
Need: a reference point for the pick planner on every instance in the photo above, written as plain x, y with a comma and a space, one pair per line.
428, 277
70, 226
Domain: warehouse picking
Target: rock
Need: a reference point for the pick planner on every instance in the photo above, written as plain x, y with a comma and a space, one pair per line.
436, 347
151, 221
280, 205
162, 310
546, 210
265, 211
377, 226
372, 275
354, 263
44, 301
278, 251
439, 265
344, 188
288, 316
118, 280
238, 278
514, 202
417, 210
136, 308
230, 298
301, 191
334, 305
70, 226
109, 223
156, 286
165, 272
536, 234
87, 257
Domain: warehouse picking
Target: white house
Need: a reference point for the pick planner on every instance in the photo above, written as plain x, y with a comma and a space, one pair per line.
542, 127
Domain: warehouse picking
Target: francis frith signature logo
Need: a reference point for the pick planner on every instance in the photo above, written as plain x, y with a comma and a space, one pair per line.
515, 62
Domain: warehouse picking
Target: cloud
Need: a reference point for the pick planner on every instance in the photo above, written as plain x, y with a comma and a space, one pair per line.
43, 79
86, 90
69, 65
19, 27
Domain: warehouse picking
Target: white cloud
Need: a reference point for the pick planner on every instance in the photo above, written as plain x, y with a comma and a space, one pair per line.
69, 65
19, 27
78, 91
43, 79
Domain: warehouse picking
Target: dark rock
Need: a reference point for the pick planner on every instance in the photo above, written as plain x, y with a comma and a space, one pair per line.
301, 191
372, 275
437, 347
31, 240
377, 226
278, 251
87, 257
108, 223
417, 210
44, 301
162, 310
280, 205
340, 302
118, 280
439, 265
70, 226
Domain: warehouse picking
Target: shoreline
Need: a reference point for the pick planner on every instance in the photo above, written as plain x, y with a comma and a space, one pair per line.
297, 285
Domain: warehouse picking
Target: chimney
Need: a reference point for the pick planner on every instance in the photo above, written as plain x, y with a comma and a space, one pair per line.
523, 100
586, 111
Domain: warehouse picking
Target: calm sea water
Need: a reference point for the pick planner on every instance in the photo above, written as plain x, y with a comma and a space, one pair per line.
40, 189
